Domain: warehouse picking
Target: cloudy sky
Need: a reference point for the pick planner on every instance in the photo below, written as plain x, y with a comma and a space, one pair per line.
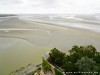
50, 6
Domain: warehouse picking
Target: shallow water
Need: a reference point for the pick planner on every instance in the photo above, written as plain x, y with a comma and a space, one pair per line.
18, 50
16, 53
26, 42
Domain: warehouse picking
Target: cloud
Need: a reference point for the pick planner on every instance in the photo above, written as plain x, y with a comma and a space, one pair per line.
49, 6
9, 1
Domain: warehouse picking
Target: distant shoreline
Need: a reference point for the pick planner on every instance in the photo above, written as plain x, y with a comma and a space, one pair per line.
72, 26
58, 25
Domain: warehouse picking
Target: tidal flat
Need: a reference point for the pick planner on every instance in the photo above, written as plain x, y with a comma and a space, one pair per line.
23, 42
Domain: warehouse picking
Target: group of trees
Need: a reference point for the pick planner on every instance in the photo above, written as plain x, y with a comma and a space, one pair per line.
81, 59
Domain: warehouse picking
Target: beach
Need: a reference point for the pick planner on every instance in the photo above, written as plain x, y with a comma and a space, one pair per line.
23, 41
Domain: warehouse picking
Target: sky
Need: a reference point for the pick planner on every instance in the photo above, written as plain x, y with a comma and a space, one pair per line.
49, 6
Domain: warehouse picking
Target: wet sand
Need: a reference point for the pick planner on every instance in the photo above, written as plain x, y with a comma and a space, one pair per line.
23, 42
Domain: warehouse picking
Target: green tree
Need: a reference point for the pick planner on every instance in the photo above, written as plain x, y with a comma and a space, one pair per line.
81, 58
75, 49
86, 64
89, 51
97, 57
81, 51
57, 57
70, 67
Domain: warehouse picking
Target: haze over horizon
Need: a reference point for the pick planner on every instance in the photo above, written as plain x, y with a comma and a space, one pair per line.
49, 6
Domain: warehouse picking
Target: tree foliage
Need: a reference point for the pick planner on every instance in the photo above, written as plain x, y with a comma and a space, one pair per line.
83, 51
57, 56
86, 64
80, 58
